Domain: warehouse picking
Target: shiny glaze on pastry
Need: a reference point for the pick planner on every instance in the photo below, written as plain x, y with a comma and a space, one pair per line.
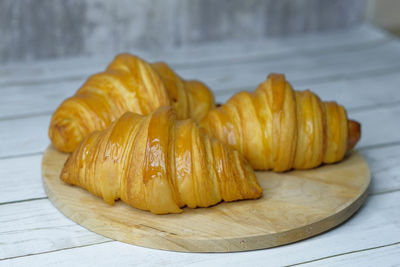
278, 128
128, 84
160, 164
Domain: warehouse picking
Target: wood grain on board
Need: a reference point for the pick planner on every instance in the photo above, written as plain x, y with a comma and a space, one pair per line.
296, 205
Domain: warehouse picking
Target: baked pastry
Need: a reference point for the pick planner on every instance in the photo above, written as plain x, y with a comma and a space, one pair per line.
160, 164
128, 84
278, 128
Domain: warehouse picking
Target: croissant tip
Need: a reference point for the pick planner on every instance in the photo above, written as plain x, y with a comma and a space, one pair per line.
258, 192
354, 134
64, 135
64, 176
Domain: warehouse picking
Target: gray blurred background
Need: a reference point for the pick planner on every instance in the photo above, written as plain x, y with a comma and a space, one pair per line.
47, 29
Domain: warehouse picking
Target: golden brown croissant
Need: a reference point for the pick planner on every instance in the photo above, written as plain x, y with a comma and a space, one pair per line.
128, 84
160, 164
278, 128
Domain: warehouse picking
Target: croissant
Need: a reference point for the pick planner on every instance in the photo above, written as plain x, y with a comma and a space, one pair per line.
278, 128
160, 164
128, 84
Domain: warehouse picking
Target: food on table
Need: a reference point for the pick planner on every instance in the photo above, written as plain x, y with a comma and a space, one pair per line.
161, 164
278, 128
128, 84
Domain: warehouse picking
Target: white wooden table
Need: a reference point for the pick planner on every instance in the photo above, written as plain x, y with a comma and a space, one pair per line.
359, 68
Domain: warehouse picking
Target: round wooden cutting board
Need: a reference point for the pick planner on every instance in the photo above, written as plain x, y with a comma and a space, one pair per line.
295, 205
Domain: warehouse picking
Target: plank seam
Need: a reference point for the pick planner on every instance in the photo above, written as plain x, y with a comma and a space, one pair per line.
22, 155
346, 253
229, 61
301, 52
323, 79
378, 146
56, 250
385, 192
26, 115
57, 80
22, 200
378, 106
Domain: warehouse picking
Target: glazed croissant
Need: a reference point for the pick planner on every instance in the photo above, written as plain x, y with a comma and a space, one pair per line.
278, 128
160, 164
128, 84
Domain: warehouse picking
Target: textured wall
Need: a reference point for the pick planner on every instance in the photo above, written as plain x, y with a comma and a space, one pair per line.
33, 29
385, 14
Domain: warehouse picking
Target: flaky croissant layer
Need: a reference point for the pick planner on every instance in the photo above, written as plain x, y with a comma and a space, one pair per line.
128, 84
278, 128
160, 164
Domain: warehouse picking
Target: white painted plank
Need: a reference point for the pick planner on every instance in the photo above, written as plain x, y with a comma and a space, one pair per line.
36, 226
384, 256
206, 54
23, 136
385, 168
343, 79
358, 91
51, 71
301, 67
37, 99
20, 179
353, 91
376, 224
240, 51
379, 126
